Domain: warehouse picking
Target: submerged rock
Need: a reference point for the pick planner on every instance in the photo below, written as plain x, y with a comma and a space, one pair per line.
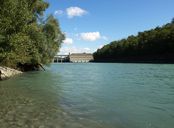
6, 72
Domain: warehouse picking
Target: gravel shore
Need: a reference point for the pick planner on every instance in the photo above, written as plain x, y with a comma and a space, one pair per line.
6, 72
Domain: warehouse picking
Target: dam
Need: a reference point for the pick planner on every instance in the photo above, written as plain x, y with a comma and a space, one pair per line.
74, 58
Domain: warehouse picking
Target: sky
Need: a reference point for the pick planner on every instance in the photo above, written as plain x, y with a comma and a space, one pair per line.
91, 24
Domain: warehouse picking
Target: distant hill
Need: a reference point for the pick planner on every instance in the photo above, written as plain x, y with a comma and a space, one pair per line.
155, 45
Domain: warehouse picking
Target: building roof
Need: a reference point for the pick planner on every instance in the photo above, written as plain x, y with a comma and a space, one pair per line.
81, 54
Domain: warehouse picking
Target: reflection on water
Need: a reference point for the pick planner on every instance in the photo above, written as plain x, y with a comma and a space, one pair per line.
90, 96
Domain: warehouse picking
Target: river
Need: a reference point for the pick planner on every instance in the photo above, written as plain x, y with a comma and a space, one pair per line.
90, 95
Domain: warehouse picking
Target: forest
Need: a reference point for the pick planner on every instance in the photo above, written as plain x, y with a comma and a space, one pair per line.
152, 46
27, 36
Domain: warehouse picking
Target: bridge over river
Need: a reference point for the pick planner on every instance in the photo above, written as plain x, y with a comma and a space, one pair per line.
61, 58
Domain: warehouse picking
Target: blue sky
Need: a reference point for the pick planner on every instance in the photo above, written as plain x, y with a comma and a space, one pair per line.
90, 24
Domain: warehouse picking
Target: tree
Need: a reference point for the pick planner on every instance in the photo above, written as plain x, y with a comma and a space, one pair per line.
172, 21
152, 45
24, 37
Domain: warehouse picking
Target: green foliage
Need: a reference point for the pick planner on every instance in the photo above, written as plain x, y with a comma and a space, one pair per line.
172, 21
24, 37
153, 45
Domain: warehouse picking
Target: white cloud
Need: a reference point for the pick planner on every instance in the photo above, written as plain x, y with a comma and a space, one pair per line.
74, 49
87, 49
58, 12
101, 46
68, 41
75, 11
90, 36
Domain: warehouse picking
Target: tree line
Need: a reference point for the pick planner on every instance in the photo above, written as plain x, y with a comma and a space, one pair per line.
26, 35
155, 45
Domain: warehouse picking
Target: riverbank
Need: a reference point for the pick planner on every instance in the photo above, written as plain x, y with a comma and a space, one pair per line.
6, 72
152, 59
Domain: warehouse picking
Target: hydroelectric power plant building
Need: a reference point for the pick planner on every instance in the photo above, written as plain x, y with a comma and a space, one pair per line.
81, 57
74, 58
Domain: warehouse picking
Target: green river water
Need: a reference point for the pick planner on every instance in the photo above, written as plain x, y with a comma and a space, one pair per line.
90, 95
